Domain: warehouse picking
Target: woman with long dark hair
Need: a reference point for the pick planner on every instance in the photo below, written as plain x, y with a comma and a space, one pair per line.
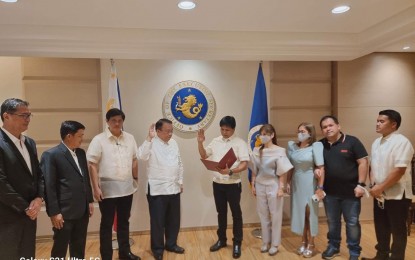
270, 165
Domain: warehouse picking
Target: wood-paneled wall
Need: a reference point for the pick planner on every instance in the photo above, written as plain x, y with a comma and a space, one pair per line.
59, 90
62, 89
373, 83
301, 91
368, 85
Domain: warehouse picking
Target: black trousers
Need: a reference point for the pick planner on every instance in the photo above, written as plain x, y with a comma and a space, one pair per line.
108, 207
224, 194
164, 221
73, 234
391, 222
18, 238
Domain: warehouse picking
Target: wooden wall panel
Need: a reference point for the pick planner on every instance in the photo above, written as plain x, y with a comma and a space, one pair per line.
62, 95
373, 83
58, 90
286, 121
306, 94
300, 92
45, 126
305, 71
63, 68
377, 80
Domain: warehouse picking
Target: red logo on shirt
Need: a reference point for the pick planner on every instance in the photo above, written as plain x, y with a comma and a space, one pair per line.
344, 151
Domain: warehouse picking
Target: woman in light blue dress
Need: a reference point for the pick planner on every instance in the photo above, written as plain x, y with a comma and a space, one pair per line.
304, 181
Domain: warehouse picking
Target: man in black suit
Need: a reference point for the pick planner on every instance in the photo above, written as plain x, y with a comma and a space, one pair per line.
69, 201
21, 182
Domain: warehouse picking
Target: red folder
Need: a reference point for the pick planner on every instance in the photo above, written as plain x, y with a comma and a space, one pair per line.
228, 159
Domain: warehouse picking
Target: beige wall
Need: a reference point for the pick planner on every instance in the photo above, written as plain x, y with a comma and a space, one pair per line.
370, 84
299, 91
143, 85
61, 89
57, 90
373, 83
10, 77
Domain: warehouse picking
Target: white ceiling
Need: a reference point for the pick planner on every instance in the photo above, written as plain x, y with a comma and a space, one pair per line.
215, 30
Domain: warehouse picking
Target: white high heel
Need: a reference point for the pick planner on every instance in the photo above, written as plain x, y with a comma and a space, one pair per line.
302, 248
309, 251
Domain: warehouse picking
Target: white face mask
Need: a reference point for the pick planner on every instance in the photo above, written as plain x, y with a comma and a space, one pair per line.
303, 136
265, 138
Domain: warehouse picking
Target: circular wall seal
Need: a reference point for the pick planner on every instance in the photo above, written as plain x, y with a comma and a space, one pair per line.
253, 137
189, 105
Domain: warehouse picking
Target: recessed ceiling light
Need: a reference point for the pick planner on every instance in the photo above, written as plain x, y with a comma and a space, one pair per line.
340, 9
406, 48
186, 5
9, 1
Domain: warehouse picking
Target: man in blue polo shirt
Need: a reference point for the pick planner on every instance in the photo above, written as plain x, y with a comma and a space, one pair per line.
346, 168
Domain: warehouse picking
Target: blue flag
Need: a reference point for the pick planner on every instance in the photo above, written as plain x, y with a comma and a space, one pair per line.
259, 114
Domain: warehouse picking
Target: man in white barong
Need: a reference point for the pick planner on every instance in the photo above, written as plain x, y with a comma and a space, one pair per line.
165, 184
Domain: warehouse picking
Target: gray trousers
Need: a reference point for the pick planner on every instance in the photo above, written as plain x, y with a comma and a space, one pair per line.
269, 208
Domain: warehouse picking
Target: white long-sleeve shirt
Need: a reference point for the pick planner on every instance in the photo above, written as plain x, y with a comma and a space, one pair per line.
164, 166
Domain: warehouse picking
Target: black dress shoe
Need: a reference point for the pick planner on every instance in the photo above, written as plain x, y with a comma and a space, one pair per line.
236, 251
158, 257
128, 256
175, 249
218, 245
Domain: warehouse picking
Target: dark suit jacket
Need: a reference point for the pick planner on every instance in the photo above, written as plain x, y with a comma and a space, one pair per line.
67, 190
18, 187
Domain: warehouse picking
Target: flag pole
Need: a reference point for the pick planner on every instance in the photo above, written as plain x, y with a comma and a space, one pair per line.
114, 101
259, 117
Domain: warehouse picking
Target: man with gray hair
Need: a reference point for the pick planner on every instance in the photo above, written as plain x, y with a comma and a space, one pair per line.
164, 187
21, 182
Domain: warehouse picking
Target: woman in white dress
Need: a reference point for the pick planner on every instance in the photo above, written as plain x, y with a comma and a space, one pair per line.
304, 181
270, 165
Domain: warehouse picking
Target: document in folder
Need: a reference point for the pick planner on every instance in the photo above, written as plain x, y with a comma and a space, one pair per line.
228, 159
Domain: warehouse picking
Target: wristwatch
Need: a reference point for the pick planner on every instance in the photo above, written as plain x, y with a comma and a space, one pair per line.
362, 184
230, 172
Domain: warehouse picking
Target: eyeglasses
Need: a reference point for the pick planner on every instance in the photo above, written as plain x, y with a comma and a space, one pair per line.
167, 131
24, 115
